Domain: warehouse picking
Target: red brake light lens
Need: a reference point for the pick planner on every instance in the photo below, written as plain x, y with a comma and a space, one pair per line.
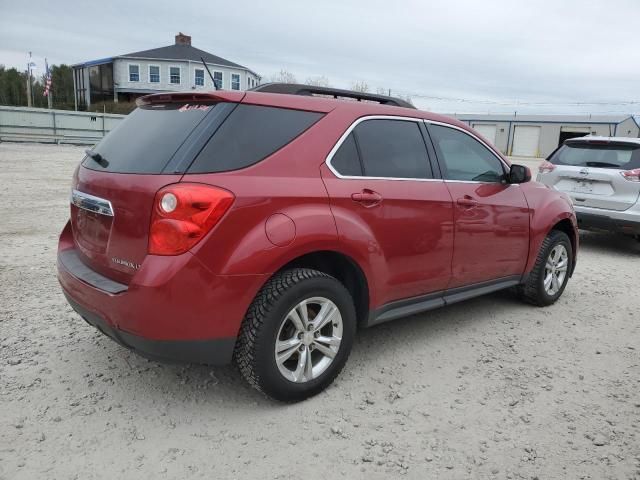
546, 167
183, 214
631, 175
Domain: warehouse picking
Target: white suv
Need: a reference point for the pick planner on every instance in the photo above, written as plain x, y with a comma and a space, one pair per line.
602, 176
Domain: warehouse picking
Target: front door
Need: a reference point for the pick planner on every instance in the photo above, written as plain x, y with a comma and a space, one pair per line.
491, 238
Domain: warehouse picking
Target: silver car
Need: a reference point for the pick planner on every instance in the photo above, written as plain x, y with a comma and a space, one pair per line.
602, 177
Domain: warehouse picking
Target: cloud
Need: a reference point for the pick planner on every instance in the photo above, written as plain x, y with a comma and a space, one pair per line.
500, 55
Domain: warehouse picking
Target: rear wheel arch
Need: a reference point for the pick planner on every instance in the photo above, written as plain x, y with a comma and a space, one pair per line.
343, 268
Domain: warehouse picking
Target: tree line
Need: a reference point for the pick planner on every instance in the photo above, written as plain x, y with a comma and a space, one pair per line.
13, 87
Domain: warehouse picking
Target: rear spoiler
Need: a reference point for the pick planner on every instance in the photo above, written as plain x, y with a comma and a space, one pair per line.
186, 97
601, 141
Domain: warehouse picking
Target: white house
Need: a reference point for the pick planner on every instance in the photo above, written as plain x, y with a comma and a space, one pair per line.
177, 67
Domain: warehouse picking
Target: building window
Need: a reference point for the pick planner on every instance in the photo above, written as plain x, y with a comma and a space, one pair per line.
134, 73
174, 75
199, 77
217, 77
154, 74
235, 81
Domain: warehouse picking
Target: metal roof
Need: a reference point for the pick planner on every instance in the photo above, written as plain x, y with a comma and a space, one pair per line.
499, 117
182, 52
90, 63
171, 52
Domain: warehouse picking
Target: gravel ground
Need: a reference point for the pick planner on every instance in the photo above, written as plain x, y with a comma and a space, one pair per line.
490, 388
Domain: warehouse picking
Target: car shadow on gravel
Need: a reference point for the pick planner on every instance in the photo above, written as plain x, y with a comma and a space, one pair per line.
608, 243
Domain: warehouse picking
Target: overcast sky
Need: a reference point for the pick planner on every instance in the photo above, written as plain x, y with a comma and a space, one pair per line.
479, 55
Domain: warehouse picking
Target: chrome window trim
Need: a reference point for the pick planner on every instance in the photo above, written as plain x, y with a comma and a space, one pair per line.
350, 129
406, 119
91, 203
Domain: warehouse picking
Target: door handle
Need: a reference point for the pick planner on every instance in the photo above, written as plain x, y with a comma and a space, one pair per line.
467, 202
367, 198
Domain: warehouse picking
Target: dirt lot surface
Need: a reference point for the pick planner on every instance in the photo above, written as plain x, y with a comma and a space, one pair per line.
490, 388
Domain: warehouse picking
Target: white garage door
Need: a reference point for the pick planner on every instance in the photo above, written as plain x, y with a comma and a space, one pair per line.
525, 141
487, 131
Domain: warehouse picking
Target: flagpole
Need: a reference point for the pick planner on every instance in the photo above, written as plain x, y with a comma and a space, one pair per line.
49, 84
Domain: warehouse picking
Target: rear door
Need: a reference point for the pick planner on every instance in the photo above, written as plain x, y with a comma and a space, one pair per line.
491, 217
590, 172
388, 203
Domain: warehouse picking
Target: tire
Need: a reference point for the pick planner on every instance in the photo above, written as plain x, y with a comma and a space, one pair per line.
273, 321
534, 290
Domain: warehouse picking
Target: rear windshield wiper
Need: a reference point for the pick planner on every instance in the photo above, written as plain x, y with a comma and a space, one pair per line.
602, 164
96, 157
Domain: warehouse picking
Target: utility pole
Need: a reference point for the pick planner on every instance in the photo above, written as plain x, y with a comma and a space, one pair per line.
29, 81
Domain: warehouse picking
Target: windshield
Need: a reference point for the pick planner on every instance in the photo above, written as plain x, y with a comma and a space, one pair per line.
623, 157
145, 141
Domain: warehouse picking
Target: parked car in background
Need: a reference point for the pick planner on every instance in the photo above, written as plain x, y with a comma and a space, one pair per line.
266, 226
602, 176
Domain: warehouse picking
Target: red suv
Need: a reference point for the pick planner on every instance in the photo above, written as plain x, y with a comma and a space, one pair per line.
268, 226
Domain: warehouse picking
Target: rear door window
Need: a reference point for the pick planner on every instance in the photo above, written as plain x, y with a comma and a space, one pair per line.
147, 138
618, 156
392, 149
250, 134
346, 160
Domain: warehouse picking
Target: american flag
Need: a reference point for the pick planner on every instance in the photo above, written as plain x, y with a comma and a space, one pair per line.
47, 82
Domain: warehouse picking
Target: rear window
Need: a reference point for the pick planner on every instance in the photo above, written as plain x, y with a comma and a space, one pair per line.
147, 138
623, 157
250, 134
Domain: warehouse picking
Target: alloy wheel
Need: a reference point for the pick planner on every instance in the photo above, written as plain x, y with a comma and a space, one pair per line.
308, 339
555, 269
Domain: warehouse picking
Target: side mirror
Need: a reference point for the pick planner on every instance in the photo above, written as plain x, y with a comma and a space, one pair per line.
519, 174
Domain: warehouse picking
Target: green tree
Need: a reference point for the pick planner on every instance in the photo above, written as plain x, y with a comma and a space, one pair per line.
13, 87
62, 87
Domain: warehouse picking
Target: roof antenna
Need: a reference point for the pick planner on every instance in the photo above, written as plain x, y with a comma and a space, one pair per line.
215, 85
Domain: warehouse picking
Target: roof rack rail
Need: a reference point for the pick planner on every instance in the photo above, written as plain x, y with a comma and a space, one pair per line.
310, 90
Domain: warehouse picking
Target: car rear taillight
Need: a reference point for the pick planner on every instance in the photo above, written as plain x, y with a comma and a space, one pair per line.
183, 213
546, 167
631, 175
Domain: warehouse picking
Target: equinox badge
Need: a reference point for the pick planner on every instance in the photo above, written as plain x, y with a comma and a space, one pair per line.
125, 263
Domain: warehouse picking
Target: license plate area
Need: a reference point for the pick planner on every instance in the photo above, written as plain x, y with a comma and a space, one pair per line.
91, 230
583, 186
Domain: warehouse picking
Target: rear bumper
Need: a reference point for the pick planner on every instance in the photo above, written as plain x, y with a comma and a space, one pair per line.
173, 308
210, 352
627, 221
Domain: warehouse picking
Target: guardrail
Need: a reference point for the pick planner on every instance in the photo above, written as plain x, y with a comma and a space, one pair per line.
23, 124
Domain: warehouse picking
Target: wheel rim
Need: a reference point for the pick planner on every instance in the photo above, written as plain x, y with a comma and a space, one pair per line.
555, 269
308, 339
